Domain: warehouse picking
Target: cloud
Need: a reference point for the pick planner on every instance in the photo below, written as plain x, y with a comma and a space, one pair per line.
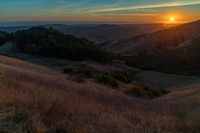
173, 4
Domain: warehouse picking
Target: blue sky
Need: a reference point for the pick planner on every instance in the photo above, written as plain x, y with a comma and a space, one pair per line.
133, 11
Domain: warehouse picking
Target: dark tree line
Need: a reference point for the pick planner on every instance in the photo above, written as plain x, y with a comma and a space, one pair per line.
3, 37
52, 43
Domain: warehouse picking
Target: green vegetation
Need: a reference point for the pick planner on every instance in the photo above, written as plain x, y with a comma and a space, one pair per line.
107, 80
52, 43
124, 76
80, 70
6, 48
146, 92
3, 37
107, 77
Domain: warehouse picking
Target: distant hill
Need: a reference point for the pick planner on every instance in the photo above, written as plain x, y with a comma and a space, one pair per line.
11, 29
107, 32
170, 38
175, 50
97, 33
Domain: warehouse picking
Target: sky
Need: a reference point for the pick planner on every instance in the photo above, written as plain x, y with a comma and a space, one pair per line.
113, 11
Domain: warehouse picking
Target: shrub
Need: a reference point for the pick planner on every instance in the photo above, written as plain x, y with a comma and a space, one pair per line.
107, 80
86, 72
123, 76
146, 92
80, 71
3, 37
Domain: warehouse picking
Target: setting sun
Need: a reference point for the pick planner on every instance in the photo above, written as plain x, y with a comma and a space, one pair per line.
171, 19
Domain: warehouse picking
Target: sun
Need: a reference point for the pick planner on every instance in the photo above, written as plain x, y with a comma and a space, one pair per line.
171, 19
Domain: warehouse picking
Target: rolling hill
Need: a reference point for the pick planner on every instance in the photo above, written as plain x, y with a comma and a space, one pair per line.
173, 50
107, 32
98, 33
38, 99
80, 95
170, 38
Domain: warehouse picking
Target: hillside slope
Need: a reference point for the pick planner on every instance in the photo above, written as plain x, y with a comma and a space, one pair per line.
170, 38
36, 99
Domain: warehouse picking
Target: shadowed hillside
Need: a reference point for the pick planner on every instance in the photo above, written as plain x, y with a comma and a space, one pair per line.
183, 60
177, 47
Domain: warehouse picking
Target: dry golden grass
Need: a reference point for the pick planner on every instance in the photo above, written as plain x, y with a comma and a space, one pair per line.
36, 99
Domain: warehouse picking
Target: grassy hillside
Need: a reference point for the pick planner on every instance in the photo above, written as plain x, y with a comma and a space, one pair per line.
36, 99
168, 38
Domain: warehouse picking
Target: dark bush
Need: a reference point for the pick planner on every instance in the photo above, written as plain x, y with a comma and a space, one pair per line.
3, 37
82, 70
146, 92
124, 76
107, 80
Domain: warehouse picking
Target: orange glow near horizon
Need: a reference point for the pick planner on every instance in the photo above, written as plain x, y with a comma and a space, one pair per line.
178, 18
173, 19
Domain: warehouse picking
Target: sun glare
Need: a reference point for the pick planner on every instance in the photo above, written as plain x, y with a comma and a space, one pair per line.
171, 19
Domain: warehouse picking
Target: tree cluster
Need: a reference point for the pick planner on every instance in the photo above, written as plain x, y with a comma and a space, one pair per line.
52, 43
